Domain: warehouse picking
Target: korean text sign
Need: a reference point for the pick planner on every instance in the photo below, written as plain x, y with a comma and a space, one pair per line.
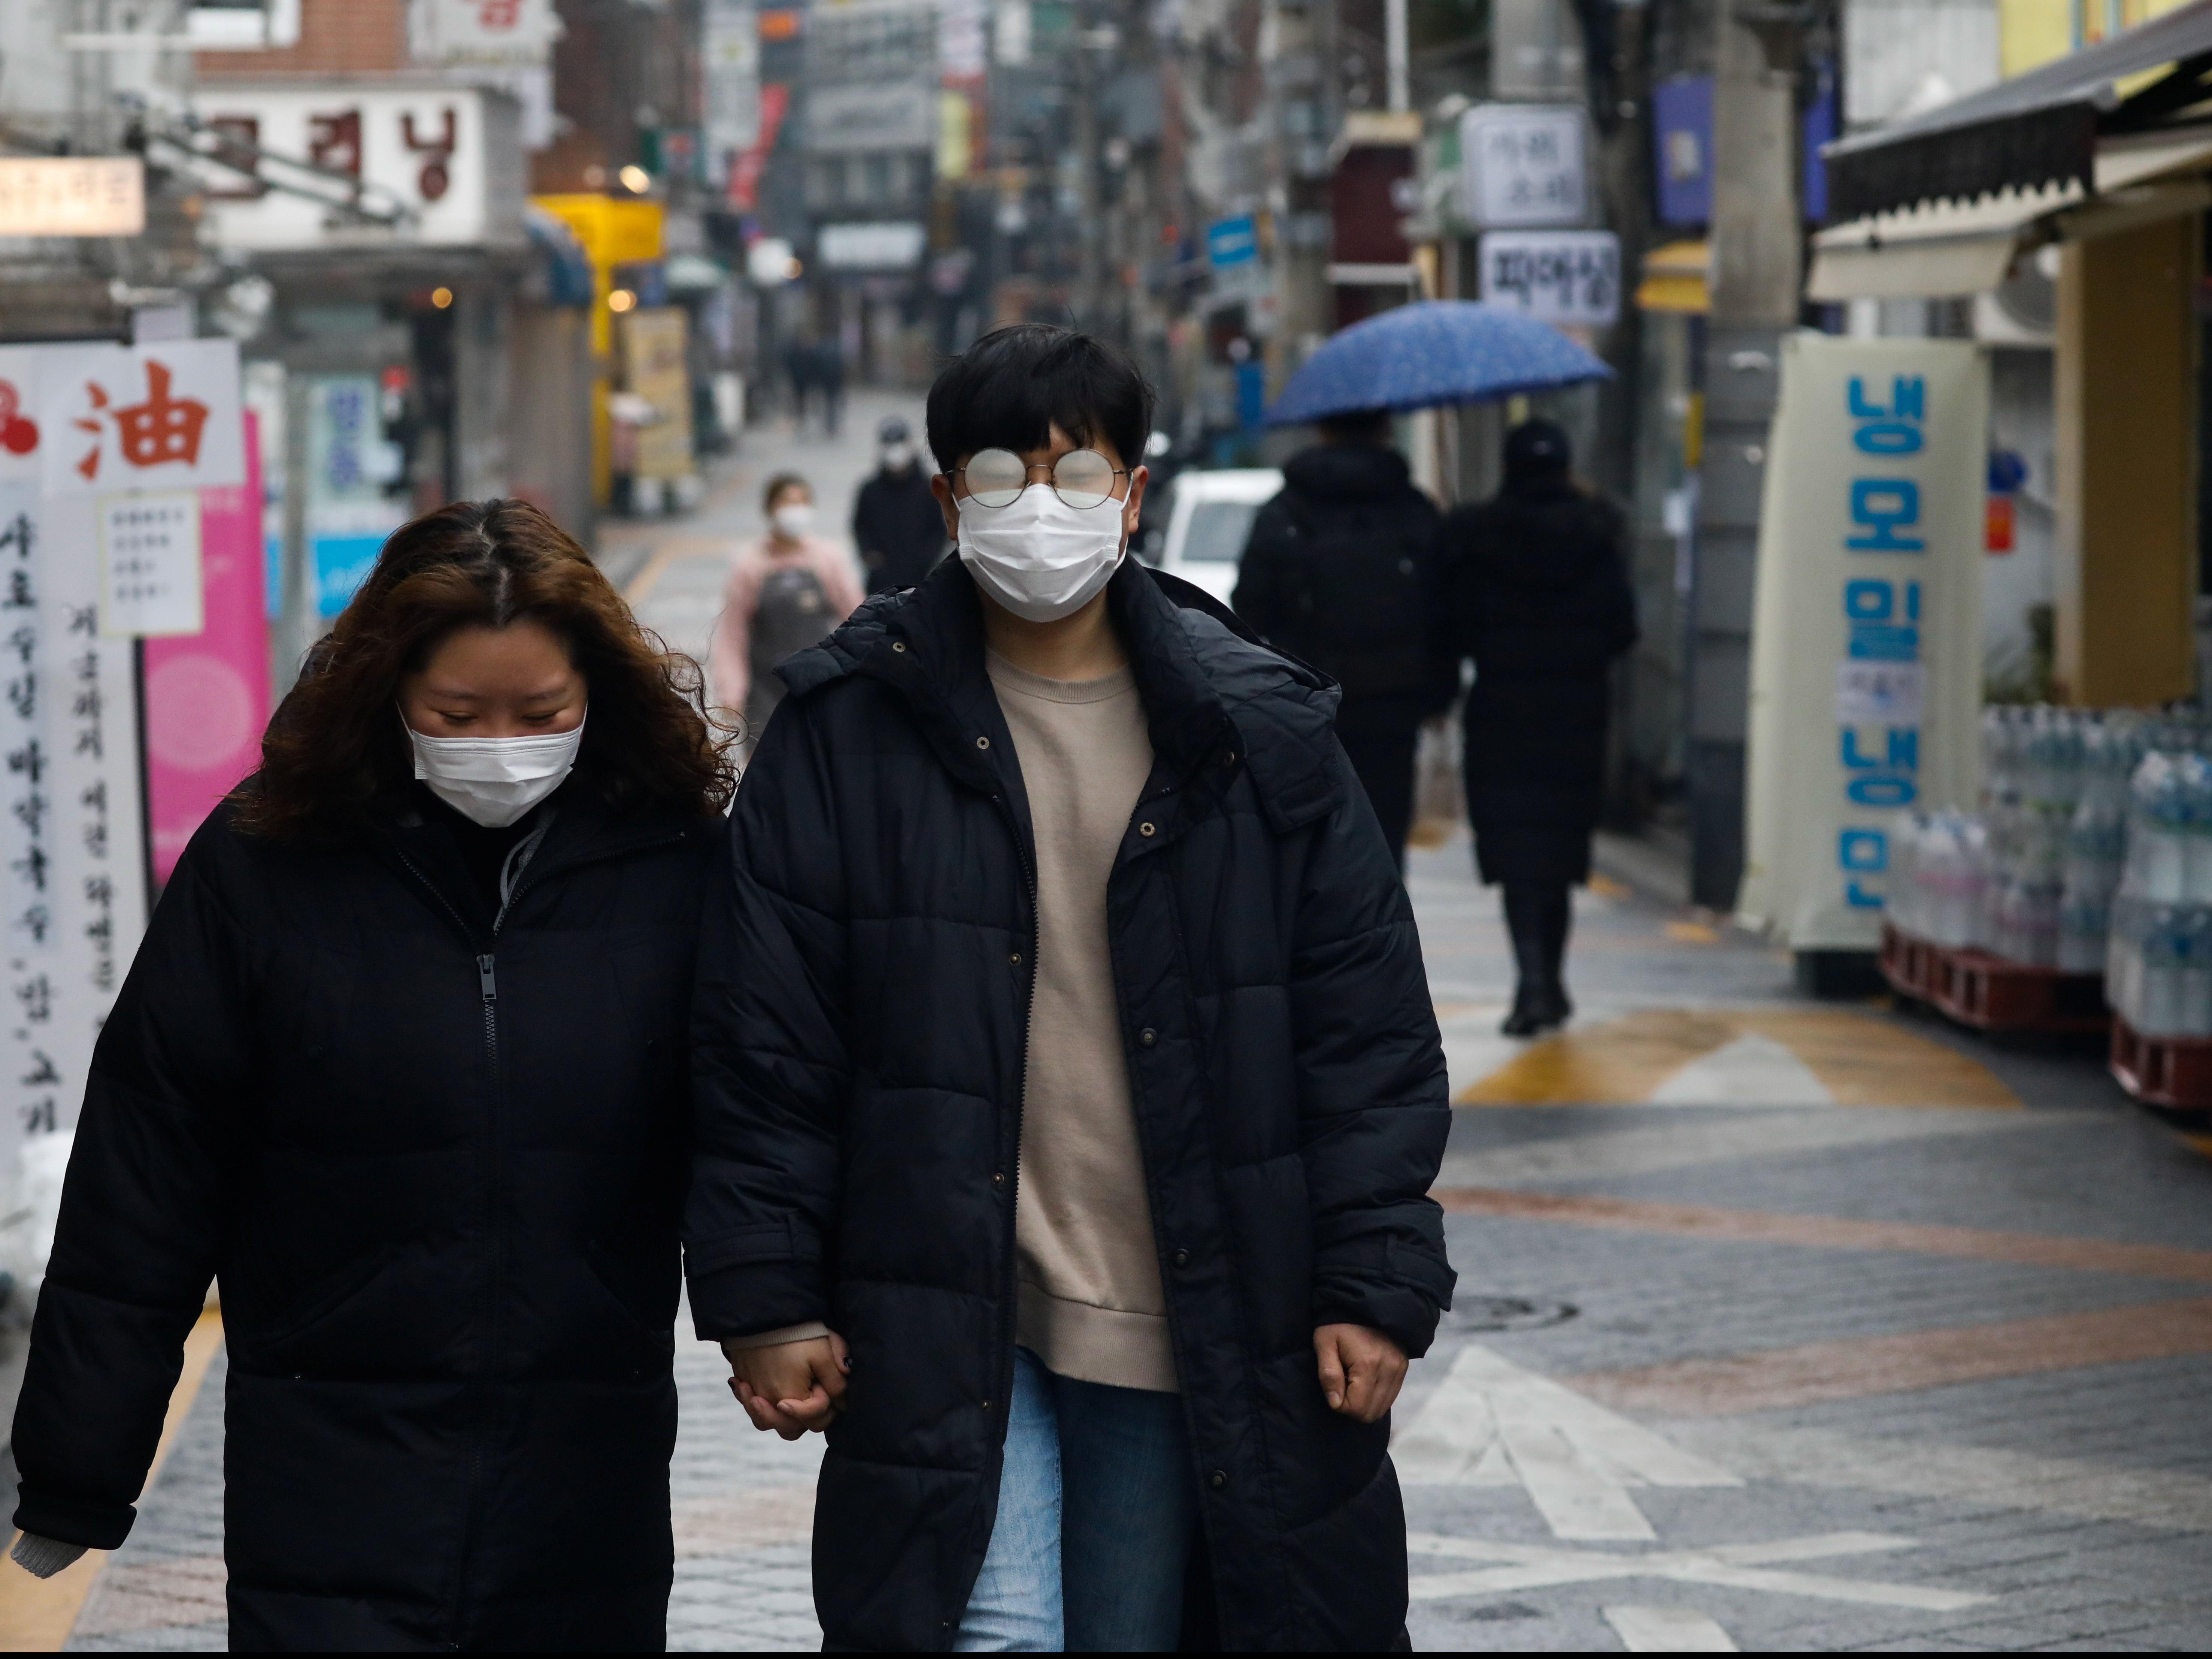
1866, 638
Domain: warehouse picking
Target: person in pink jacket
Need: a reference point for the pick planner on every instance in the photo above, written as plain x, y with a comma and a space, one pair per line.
786, 592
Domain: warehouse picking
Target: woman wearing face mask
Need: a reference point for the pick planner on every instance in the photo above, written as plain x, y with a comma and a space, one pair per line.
401, 1060
786, 592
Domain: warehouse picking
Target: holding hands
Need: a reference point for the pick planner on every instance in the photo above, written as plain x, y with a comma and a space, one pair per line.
792, 1387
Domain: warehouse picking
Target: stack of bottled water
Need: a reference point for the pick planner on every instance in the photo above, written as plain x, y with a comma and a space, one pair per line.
2159, 961
2030, 877
1939, 865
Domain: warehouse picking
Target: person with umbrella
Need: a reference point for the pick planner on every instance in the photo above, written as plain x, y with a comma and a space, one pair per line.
1540, 597
1536, 594
1340, 571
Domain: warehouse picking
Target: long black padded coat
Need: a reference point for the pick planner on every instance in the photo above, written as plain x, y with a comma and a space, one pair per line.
858, 1044
438, 1165
1540, 597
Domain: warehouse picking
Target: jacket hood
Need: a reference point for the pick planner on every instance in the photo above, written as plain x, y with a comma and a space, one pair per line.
1210, 689
1347, 469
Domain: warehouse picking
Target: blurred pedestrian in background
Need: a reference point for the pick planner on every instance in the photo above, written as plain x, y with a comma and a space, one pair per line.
896, 522
799, 370
1540, 598
829, 380
786, 592
402, 1059
1341, 571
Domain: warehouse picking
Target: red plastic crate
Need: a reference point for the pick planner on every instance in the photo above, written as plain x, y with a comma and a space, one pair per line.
2171, 1072
1982, 991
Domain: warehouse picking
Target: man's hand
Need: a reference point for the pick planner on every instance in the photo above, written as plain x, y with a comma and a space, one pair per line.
796, 1386
1361, 1370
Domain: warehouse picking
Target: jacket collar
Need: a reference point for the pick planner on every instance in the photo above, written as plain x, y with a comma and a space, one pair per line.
1214, 697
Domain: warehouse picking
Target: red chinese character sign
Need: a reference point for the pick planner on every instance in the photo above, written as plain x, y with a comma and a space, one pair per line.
160, 416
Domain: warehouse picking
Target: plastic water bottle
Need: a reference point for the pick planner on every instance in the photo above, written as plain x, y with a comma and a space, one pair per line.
2158, 1000
2195, 773
2157, 831
2193, 956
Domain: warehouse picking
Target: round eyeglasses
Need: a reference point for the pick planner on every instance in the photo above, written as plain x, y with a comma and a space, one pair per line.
996, 477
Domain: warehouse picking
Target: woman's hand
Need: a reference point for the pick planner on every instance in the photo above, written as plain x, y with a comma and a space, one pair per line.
796, 1386
1361, 1370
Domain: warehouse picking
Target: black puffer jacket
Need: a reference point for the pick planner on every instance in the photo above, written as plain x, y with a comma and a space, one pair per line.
858, 1045
1540, 598
1341, 571
439, 1172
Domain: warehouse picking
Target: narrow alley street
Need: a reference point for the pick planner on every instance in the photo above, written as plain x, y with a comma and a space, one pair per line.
1781, 1324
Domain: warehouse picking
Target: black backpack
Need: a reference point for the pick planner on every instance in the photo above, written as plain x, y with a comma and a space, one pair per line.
1358, 600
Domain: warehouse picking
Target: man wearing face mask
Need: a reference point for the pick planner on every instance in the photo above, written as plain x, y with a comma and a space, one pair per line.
897, 524
1068, 1091
786, 590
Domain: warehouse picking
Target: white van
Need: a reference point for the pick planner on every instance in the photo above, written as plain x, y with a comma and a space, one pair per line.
1210, 521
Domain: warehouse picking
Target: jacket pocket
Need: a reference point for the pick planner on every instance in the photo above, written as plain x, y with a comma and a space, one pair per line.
280, 1342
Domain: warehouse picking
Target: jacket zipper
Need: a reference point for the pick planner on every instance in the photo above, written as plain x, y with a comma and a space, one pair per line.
1005, 1402
488, 995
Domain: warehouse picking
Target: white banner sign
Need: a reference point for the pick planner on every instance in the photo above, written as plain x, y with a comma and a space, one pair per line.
1521, 165
1865, 645
139, 417
72, 869
1567, 277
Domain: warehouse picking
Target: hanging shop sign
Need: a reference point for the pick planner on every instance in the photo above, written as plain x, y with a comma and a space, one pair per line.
115, 417
1866, 642
457, 31
1522, 166
72, 196
439, 166
1570, 278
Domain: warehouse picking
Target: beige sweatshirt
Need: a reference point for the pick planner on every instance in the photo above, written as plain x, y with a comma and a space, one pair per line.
1091, 1306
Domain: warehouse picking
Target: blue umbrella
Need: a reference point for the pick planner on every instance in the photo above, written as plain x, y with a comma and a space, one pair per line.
1431, 353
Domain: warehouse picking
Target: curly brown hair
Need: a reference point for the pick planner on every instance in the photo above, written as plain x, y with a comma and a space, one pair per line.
335, 757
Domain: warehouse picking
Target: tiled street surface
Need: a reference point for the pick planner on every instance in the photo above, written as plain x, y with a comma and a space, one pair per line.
1781, 1324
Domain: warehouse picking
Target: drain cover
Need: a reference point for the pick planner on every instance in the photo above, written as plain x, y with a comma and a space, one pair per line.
1505, 1313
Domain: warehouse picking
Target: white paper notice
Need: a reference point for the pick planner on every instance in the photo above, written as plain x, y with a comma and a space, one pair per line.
1879, 693
149, 564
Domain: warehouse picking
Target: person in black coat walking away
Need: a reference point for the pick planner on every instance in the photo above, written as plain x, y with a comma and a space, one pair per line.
1342, 571
401, 1059
1068, 1088
897, 523
1540, 597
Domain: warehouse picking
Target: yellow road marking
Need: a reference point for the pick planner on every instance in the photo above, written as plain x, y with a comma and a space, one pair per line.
1860, 1061
37, 1615
1606, 887
1691, 932
672, 550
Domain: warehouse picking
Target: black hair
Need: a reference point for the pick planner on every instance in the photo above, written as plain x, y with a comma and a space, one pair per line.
1356, 426
1013, 387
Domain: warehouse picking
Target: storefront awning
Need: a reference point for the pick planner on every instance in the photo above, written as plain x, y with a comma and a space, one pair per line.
1675, 279
1934, 250
2035, 132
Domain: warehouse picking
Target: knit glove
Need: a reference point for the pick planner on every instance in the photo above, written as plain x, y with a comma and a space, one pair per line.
43, 1557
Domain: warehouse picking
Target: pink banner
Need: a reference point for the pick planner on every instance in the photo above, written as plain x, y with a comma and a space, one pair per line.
207, 695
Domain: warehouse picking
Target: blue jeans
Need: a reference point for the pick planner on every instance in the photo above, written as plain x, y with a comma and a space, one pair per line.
1095, 1516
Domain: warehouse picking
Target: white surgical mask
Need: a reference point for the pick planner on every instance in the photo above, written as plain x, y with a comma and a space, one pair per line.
897, 457
1040, 557
792, 519
494, 780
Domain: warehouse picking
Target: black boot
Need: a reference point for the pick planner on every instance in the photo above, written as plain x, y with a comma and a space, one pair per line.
1536, 914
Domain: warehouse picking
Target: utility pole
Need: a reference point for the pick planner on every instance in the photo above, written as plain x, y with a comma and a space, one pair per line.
1754, 284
